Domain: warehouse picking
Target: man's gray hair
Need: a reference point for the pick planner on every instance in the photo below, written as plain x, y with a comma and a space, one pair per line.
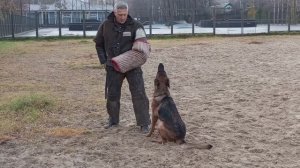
121, 5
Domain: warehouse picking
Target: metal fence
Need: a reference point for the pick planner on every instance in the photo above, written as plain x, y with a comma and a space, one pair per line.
185, 21
11, 24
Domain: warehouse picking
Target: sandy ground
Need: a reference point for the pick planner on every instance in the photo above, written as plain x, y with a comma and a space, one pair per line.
240, 94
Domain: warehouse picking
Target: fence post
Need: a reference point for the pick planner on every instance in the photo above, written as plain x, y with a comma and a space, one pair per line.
12, 25
1, 30
36, 24
59, 22
269, 20
289, 20
7, 26
214, 20
150, 28
242, 21
172, 22
193, 21
83, 23
151, 19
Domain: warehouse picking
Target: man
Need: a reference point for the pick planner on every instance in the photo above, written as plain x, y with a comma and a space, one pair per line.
116, 37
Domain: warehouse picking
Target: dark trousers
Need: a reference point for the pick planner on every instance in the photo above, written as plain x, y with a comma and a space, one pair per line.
137, 89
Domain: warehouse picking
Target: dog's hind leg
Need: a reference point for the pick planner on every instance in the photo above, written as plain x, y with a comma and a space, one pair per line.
180, 141
157, 141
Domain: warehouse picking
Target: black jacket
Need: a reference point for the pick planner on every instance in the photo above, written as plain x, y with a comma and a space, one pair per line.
113, 39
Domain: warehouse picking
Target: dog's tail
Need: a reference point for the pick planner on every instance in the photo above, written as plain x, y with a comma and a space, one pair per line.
197, 146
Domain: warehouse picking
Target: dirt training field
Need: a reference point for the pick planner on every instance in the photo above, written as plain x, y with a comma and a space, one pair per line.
240, 94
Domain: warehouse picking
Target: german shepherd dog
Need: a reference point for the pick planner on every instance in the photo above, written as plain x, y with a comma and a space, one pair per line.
165, 116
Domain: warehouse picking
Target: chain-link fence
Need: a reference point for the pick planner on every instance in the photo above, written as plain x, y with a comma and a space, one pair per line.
156, 21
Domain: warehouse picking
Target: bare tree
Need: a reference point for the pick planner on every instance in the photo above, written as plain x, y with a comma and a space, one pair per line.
169, 10
293, 11
7, 5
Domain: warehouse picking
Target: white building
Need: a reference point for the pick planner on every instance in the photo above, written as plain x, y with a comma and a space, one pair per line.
71, 11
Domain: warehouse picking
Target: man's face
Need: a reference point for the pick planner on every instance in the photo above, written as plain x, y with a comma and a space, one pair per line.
121, 15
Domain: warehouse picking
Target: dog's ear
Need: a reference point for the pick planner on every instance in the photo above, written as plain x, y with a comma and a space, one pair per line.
168, 83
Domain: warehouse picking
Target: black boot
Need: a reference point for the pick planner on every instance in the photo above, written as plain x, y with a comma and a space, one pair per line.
145, 129
110, 123
113, 109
